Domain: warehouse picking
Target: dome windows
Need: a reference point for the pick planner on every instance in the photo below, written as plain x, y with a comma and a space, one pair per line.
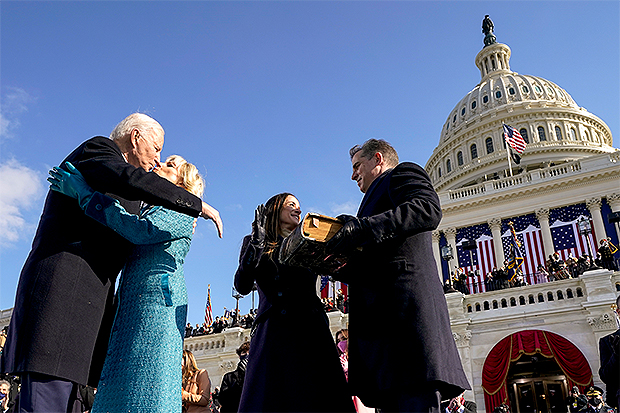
525, 89
489, 144
463, 111
541, 134
448, 166
485, 99
498, 94
511, 90
473, 105
473, 151
537, 89
523, 133
439, 171
572, 134
558, 133
454, 118
459, 158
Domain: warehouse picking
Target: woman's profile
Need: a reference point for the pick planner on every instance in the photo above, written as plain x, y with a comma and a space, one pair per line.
293, 363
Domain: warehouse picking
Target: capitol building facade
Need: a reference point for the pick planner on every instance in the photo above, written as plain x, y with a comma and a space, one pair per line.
524, 346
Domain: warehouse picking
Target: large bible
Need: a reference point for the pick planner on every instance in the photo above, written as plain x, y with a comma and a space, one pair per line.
305, 246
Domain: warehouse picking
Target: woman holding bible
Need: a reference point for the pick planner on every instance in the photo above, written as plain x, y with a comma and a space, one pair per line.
293, 363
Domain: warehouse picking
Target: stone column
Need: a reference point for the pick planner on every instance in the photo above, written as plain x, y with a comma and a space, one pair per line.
496, 229
450, 234
543, 218
436, 235
594, 206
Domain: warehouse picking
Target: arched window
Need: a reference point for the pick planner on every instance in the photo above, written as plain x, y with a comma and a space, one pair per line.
573, 134
439, 171
586, 135
523, 133
541, 134
459, 158
489, 143
463, 111
448, 166
474, 151
473, 104
558, 133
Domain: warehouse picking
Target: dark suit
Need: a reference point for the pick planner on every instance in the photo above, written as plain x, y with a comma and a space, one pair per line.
610, 367
64, 303
394, 284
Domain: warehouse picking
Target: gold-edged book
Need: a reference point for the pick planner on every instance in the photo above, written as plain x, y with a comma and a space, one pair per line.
305, 246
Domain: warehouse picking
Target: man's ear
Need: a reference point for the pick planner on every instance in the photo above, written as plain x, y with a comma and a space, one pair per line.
379, 159
133, 138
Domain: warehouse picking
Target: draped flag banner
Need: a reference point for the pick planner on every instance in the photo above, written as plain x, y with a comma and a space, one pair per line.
208, 310
329, 288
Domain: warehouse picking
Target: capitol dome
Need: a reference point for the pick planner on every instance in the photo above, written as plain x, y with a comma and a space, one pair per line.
471, 147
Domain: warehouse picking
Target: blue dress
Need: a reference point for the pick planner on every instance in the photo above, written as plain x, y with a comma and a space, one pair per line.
142, 369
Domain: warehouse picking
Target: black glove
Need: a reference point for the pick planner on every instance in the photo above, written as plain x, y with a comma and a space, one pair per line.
354, 233
258, 227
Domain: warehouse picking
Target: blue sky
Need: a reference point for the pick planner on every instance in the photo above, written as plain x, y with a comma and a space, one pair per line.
265, 97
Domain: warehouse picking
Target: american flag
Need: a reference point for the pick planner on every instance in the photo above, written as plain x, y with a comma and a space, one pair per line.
327, 287
565, 231
208, 311
515, 257
514, 139
483, 257
530, 238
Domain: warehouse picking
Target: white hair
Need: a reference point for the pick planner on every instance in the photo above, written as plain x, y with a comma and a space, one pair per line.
140, 121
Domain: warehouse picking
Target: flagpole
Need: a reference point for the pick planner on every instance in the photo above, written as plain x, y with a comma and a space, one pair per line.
507, 152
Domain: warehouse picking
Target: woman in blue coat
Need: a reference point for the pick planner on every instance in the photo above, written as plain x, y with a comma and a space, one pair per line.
142, 370
293, 364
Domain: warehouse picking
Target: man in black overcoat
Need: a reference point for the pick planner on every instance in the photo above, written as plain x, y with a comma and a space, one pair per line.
64, 307
395, 273
609, 350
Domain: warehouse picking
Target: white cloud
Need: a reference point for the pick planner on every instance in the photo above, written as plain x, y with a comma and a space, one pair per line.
20, 189
349, 208
14, 102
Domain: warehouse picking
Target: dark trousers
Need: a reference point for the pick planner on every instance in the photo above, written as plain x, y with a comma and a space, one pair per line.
417, 403
43, 393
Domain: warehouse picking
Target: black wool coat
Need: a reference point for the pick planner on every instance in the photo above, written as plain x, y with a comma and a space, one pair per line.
293, 364
394, 287
64, 307
610, 366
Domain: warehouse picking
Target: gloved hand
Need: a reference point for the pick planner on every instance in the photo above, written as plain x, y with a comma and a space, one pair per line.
354, 233
70, 183
258, 227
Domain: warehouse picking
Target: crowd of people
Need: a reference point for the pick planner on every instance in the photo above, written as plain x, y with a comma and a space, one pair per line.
221, 323
554, 269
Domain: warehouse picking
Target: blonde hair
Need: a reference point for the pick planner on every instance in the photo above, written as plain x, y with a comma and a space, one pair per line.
189, 366
189, 177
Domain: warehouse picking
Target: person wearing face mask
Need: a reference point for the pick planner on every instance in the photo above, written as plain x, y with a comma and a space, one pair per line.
141, 371
293, 363
64, 304
609, 350
232, 382
595, 402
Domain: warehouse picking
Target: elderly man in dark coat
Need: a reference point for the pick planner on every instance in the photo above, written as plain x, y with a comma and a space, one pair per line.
64, 308
395, 273
609, 350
